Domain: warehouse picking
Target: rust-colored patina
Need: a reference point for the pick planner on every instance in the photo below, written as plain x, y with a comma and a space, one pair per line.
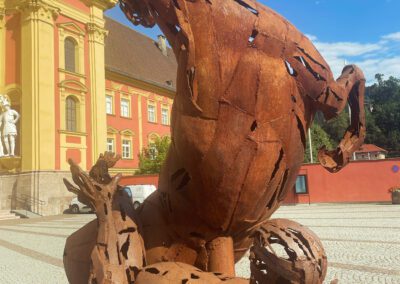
287, 252
248, 87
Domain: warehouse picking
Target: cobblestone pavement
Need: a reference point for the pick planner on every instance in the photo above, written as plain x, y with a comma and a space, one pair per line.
362, 243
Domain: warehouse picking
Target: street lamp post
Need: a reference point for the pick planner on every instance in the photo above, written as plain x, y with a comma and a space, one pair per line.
310, 144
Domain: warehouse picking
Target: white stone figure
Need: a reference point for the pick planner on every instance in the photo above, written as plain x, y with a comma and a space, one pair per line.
8, 119
1, 143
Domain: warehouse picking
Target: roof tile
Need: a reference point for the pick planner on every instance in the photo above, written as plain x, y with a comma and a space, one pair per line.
133, 54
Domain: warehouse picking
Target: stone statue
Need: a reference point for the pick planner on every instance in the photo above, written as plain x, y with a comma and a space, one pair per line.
8, 120
248, 87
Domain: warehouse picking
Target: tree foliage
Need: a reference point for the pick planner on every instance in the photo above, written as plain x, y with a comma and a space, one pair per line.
383, 123
382, 110
336, 127
152, 158
319, 138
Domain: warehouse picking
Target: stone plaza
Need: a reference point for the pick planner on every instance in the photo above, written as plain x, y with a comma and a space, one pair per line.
361, 241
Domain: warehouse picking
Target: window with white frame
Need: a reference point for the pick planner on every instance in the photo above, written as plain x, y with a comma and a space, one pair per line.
164, 116
110, 145
153, 151
151, 113
126, 149
125, 108
109, 104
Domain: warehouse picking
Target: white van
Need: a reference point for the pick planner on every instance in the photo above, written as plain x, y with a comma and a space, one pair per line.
138, 193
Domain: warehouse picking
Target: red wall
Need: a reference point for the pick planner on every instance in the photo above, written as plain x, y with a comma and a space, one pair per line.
132, 180
361, 181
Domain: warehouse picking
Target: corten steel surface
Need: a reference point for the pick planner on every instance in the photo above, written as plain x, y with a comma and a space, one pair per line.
248, 87
301, 258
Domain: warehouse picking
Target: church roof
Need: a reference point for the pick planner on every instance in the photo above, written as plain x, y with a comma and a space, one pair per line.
135, 55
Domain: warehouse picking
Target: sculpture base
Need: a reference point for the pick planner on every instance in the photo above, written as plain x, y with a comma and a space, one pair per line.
10, 164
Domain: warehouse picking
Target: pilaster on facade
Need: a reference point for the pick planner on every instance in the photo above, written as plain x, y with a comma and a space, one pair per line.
37, 69
101, 4
2, 11
97, 34
2, 46
97, 9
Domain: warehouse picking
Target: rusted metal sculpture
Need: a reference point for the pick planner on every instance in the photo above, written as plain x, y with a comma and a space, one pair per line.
298, 256
249, 84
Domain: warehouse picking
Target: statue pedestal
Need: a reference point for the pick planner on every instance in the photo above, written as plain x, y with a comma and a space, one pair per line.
10, 164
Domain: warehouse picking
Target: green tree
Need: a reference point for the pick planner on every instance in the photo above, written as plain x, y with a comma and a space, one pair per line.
152, 158
383, 125
336, 127
319, 138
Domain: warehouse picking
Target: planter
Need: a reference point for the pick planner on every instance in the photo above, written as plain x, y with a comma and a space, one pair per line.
396, 197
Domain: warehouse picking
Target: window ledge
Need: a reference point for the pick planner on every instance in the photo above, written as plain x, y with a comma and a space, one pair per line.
72, 133
72, 73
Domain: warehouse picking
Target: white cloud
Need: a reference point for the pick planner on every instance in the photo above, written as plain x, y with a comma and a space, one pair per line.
393, 36
382, 56
347, 48
311, 37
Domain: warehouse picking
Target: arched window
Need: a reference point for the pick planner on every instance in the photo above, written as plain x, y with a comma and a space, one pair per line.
70, 54
71, 114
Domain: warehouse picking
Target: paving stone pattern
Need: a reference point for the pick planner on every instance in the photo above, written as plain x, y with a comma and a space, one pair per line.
362, 243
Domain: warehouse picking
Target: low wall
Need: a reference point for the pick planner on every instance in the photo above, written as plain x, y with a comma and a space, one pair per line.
144, 179
359, 181
46, 186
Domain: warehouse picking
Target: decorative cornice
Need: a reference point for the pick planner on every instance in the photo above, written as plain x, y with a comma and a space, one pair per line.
127, 132
111, 130
41, 9
102, 4
72, 28
73, 85
98, 33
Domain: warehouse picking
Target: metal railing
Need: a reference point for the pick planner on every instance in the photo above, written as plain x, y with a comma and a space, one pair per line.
27, 202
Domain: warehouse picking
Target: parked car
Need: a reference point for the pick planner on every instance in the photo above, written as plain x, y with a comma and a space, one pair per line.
138, 193
76, 207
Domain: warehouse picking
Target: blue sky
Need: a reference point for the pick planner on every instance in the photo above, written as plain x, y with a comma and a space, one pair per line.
364, 32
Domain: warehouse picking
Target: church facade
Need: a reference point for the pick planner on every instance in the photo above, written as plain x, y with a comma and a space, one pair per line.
82, 84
